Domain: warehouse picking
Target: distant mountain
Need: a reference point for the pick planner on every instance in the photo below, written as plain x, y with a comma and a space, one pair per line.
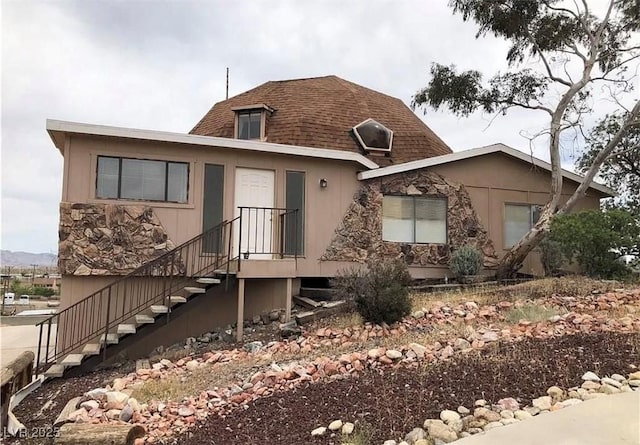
9, 258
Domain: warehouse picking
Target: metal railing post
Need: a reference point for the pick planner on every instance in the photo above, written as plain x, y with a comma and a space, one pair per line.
239, 239
48, 338
39, 348
106, 326
295, 237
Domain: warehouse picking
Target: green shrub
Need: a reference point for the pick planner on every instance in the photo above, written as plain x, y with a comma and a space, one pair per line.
380, 292
44, 291
552, 258
466, 260
597, 240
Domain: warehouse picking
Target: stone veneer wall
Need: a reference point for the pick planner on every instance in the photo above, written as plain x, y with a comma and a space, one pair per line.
359, 236
108, 239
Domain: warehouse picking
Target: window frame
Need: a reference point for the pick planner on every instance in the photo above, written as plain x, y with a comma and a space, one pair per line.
302, 214
507, 246
249, 112
445, 199
166, 179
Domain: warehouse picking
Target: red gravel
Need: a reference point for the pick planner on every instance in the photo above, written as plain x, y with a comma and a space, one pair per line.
399, 400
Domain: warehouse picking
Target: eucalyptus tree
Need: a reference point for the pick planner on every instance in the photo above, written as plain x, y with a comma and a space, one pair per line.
576, 49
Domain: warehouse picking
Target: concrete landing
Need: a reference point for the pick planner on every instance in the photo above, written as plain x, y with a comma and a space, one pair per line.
610, 420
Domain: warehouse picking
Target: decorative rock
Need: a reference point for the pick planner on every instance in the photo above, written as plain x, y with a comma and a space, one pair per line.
634, 383
509, 403
486, 414
318, 431
390, 442
421, 442
555, 393
610, 381
509, 421
462, 410
415, 434
522, 415
461, 343
532, 410
609, 389
192, 365
253, 346
618, 378
590, 376
480, 402
186, 411
126, 414
335, 425
90, 404
570, 402
347, 428
634, 375
591, 385
418, 349
542, 403
506, 414
492, 425
116, 399
489, 336
418, 314
448, 416
393, 354
438, 430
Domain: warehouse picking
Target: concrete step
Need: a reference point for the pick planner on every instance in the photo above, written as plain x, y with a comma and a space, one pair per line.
176, 299
195, 290
126, 329
72, 360
316, 293
91, 349
54, 371
207, 280
159, 309
224, 272
144, 319
112, 339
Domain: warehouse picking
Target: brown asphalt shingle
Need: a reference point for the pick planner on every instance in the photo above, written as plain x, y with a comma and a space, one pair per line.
321, 111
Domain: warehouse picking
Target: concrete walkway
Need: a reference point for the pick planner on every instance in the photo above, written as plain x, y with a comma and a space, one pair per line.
610, 420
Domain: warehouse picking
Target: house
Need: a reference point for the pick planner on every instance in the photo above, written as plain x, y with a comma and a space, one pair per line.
287, 182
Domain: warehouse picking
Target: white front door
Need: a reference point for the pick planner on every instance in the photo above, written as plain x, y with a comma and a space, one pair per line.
255, 189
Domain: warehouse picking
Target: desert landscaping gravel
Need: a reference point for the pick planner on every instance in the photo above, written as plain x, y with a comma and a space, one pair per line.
395, 401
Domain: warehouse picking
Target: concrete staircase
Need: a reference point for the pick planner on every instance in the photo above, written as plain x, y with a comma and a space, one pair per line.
147, 316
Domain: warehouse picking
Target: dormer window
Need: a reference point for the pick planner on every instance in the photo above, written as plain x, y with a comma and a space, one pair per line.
250, 124
251, 121
373, 136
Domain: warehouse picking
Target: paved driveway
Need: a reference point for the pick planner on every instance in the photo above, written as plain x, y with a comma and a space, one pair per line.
16, 339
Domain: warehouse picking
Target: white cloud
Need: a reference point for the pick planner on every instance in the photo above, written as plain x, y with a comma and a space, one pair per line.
161, 65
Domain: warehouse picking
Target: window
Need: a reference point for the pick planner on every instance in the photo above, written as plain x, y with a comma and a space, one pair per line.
250, 124
294, 226
414, 219
373, 135
518, 220
212, 210
122, 178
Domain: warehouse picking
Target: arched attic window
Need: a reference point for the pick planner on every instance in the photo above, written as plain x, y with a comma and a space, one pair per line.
373, 136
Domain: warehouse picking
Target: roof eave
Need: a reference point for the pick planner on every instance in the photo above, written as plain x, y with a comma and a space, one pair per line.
474, 152
57, 129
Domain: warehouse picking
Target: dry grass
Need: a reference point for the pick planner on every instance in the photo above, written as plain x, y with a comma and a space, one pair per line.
177, 387
492, 294
531, 312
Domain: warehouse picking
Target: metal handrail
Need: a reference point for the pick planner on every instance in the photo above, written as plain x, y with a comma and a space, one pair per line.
173, 270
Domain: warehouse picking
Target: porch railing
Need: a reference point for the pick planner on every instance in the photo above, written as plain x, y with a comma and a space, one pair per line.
265, 232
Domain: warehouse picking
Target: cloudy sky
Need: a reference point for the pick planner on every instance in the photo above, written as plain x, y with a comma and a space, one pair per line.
161, 65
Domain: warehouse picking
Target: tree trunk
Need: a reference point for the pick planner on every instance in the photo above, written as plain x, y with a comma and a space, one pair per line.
513, 259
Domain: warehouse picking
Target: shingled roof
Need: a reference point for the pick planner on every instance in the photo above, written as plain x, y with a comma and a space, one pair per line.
321, 112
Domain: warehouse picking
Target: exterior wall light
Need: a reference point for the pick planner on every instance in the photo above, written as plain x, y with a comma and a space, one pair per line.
323, 183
